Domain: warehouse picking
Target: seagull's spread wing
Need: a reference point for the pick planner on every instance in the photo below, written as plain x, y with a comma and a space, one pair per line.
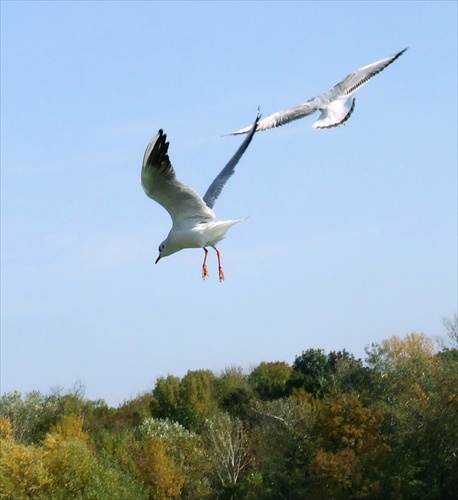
281, 118
161, 185
362, 75
217, 185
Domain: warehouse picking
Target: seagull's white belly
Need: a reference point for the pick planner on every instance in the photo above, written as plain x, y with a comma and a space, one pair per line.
185, 238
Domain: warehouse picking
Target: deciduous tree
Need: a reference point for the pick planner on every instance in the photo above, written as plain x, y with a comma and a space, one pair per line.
417, 392
349, 448
226, 445
270, 380
311, 372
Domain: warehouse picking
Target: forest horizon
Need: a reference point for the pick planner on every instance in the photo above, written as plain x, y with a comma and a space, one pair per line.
328, 424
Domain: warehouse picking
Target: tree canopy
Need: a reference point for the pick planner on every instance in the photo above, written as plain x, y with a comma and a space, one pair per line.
326, 426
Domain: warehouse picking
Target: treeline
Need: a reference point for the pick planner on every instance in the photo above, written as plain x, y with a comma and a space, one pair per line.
327, 426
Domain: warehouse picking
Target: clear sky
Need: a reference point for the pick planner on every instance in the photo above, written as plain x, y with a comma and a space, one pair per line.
351, 232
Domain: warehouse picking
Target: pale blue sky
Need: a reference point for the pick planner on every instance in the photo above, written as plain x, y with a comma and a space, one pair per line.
351, 236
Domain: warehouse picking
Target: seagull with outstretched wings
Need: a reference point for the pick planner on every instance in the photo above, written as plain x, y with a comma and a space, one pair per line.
336, 106
193, 219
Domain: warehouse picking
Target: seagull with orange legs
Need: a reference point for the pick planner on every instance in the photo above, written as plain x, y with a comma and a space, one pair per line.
336, 106
193, 219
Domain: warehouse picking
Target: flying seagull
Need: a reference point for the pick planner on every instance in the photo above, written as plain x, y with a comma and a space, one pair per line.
193, 220
336, 106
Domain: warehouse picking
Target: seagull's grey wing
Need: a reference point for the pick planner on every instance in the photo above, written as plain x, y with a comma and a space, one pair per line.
362, 75
217, 185
160, 184
281, 118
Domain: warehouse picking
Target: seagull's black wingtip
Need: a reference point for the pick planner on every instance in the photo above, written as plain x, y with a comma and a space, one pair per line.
400, 53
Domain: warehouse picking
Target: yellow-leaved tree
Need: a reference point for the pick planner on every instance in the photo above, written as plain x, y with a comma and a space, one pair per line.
349, 448
22, 470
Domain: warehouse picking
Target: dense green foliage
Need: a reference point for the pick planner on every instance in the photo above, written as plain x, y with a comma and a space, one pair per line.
328, 426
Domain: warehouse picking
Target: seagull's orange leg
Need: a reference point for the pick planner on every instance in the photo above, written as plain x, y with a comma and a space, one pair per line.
221, 272
204, 265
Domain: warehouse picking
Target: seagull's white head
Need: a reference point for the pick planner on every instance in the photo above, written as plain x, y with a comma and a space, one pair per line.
166, 248
162, 251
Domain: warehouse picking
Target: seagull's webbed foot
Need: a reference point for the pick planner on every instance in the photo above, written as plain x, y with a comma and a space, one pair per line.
221, 272
204, 266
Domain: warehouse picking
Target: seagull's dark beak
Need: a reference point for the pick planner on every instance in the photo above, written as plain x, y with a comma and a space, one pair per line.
157, 260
